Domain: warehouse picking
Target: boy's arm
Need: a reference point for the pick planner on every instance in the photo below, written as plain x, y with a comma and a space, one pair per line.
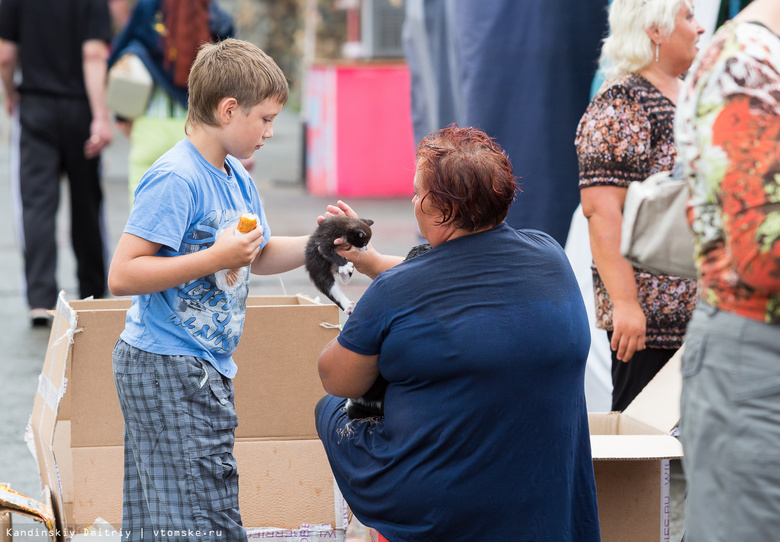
137, 270
279, 255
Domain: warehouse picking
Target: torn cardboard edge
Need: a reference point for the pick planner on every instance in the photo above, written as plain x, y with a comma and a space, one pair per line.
18, 503
52, 384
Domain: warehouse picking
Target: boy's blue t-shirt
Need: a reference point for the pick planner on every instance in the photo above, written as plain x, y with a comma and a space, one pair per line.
184, 203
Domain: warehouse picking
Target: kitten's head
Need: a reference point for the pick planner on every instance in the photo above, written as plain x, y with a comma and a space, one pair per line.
358, 231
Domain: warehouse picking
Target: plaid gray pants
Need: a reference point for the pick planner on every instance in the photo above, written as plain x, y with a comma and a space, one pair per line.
180, 476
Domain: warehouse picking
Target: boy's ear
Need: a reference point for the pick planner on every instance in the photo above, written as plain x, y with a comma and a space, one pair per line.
226, 109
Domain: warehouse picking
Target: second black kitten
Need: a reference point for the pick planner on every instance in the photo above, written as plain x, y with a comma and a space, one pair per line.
324, 264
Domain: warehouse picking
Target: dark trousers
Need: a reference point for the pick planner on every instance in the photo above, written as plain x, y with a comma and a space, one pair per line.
52, 132
630, 377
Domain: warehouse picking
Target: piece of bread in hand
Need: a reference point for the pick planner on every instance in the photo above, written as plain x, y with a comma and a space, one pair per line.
247, 222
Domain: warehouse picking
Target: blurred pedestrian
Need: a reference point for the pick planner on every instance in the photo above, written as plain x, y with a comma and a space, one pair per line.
626, 135
165, 35
53, 67
728, 132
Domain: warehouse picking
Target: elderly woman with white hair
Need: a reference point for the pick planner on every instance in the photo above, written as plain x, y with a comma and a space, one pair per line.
625, 135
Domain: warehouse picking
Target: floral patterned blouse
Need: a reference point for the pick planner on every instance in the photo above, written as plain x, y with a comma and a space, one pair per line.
729, 133
625, 135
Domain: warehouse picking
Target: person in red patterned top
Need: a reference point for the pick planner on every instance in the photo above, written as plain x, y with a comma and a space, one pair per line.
728, 131
625, 135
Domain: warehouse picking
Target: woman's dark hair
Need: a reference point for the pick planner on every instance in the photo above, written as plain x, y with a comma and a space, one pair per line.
468, 177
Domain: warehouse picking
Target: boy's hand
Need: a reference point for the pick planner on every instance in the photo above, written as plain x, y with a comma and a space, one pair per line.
233, 251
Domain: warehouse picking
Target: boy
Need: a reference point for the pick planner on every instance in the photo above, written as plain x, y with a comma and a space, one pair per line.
173, 362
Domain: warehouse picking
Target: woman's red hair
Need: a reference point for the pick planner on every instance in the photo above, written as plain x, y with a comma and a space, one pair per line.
468, 177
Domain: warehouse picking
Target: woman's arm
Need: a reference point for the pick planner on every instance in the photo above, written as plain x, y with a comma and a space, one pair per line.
613, 149
602, 206
345, 373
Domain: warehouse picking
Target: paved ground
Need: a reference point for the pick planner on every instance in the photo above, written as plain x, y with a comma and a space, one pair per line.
291, 211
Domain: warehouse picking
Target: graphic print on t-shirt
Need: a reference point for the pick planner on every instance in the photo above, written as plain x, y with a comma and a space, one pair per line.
206, 312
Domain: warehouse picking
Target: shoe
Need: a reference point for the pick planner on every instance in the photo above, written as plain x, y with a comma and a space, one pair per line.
40, 317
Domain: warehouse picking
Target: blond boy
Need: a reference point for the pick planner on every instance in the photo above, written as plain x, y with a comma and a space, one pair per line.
173, 364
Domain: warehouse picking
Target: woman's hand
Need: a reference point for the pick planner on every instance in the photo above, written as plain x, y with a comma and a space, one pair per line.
628, 330
366, 261
124, 126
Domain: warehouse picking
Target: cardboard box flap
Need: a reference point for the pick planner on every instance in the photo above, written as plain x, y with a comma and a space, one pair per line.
52, 384
634, 447
616, 423
658, 405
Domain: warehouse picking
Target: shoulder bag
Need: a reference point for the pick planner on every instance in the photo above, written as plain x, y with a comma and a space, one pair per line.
129, 87
655, 235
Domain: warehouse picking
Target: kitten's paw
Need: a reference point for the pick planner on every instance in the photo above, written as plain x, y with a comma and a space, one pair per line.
350, 308
345, 272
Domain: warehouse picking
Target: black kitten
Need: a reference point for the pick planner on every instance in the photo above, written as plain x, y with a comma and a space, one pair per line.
372, 403
323, 263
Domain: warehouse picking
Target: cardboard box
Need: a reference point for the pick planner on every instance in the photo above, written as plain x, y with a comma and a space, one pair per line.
631, 452
284, 477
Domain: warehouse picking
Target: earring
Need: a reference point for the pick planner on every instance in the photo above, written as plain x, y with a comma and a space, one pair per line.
657, 46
